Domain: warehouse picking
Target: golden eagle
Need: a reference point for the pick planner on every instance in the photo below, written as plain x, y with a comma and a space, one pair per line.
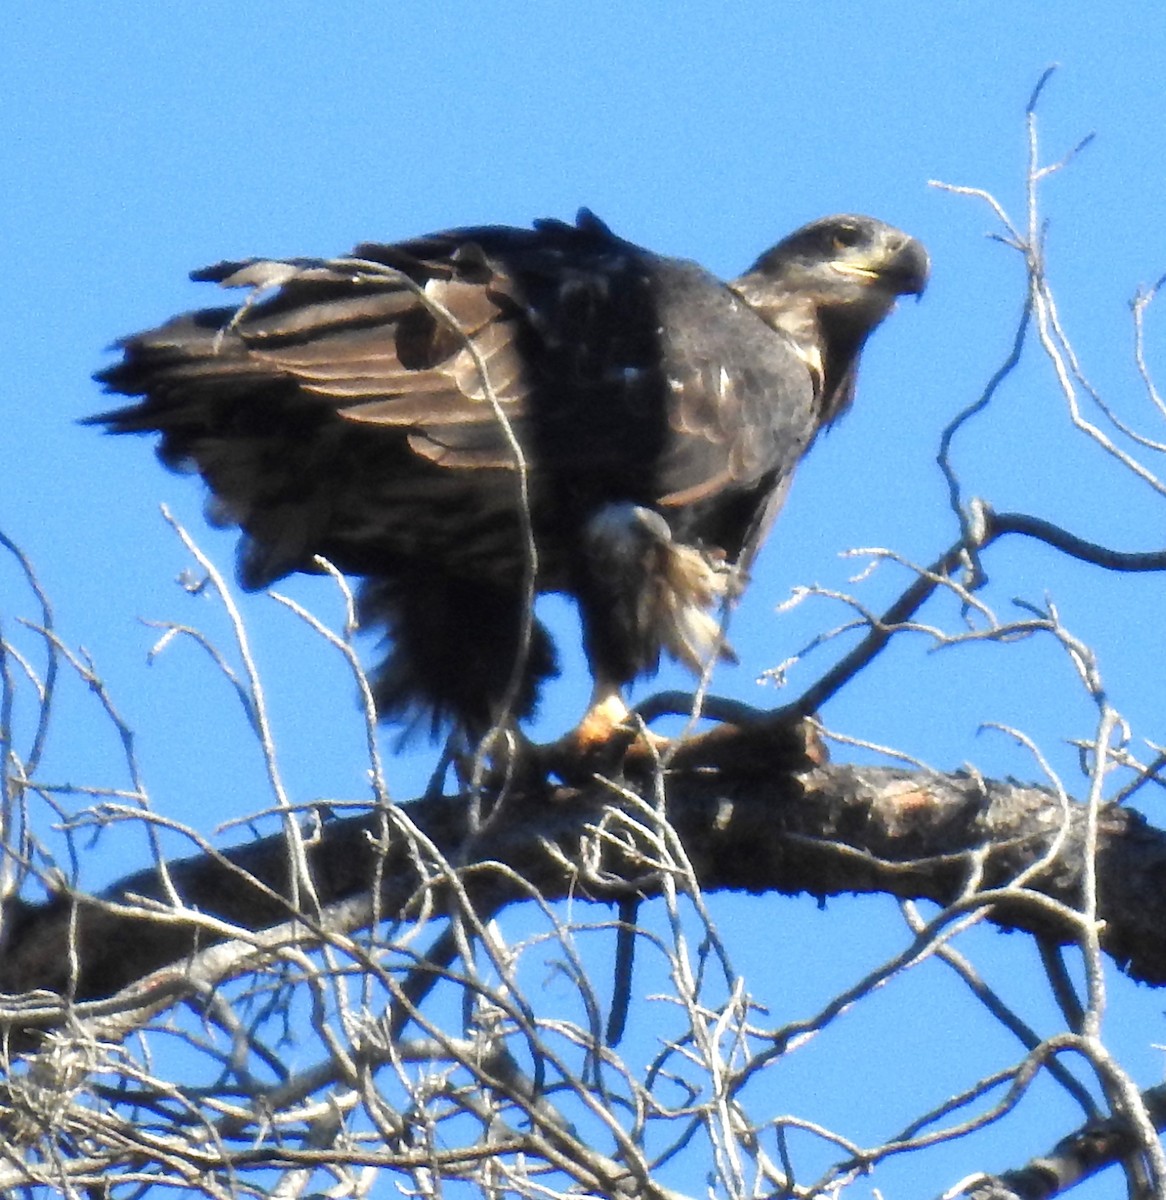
476, 416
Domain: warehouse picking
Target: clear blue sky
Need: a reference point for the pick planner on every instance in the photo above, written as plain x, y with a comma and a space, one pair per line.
142, 140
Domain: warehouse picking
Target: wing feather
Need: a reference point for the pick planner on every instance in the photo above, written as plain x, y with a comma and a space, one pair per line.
337, 407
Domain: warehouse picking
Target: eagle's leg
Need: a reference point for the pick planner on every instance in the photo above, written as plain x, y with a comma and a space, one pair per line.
606, 713
608, 720
641, 592
608, 735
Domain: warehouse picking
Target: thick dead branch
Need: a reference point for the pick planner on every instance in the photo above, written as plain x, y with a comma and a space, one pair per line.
833, 829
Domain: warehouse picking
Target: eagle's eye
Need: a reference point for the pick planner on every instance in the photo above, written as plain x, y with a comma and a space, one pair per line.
844, 237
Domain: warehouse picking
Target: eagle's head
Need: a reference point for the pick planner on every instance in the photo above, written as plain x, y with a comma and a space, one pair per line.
827, 287
846, 262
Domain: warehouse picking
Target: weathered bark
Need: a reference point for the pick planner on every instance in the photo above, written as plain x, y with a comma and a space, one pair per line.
753, 825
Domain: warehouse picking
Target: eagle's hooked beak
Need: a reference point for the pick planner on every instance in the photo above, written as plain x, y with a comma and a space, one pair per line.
903, 268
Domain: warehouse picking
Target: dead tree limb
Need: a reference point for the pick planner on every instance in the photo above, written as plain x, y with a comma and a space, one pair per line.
956, 840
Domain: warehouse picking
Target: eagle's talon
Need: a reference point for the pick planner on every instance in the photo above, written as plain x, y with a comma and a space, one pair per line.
608, 738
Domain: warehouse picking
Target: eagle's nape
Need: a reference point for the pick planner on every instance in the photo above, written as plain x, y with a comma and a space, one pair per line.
377, 410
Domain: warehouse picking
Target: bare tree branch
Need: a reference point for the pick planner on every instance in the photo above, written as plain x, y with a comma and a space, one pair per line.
1083, 1153
832, 830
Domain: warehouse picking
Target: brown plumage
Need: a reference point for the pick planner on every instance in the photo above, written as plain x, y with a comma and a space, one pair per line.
389, 411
